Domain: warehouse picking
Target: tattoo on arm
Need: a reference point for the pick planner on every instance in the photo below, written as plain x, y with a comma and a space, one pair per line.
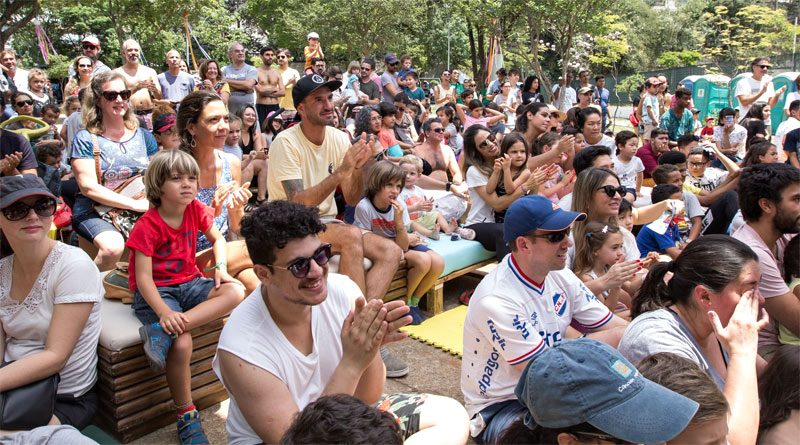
292, 187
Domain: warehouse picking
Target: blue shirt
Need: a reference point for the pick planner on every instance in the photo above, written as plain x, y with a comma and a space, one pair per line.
649, 241
792, 143
677, 126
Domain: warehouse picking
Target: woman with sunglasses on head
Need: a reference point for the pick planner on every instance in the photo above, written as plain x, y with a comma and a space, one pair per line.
708, 312
480, 152
203, 127
124, 151
82, 78
444, 92
50, 296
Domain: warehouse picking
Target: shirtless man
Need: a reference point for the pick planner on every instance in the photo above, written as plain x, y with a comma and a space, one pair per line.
441, 159
269, 88
141, 80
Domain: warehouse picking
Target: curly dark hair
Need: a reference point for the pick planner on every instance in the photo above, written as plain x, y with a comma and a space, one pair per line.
342, 418
274, 224
778, 387
764, 181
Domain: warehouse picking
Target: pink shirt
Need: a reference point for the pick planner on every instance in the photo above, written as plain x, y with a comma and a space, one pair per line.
470, 121
772, 283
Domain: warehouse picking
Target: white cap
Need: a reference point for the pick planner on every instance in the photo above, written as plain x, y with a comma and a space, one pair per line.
312, 35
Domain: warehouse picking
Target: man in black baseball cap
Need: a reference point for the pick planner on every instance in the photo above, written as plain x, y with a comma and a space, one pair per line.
307, 163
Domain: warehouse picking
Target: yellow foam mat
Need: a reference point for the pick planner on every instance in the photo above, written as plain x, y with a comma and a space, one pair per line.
444, 331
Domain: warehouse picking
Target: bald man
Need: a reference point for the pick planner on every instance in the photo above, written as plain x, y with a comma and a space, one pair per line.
141, 80
175, 84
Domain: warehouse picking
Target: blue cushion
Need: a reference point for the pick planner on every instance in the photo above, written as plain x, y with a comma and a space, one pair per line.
458, 254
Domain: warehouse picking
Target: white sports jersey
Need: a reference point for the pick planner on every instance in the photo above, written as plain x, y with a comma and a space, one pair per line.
512, 319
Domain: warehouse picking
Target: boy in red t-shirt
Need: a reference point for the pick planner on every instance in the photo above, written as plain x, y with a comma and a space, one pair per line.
171, 297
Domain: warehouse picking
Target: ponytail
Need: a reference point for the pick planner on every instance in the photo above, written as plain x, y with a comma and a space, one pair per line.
654, 293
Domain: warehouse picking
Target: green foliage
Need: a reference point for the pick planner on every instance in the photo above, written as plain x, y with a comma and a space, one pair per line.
58, 67
674, 59
612, 44
630, 83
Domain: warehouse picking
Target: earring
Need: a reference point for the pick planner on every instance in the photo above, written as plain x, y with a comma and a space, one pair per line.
193, 144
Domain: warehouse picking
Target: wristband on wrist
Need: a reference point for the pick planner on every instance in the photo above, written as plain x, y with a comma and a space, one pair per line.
447, 186
221, 266
522, 186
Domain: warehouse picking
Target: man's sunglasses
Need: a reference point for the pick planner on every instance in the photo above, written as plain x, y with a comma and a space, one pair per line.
554, 237
22, 103
486, 141
281, 57
366, 68
766, 67
299, 268
112, 95
437, 130
19, 210
610, 190
88, 46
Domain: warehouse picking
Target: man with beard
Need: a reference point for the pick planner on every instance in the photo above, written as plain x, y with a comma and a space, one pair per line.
269, 89
91, 48
141, 80
769, 198
307, 162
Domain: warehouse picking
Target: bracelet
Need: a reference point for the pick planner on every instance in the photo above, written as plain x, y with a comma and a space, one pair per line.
221, 265
522, 186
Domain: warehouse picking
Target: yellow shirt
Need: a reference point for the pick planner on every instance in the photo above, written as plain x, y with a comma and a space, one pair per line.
292, 156
286, 102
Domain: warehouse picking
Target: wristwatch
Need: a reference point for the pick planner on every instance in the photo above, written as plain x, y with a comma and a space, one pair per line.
447, 186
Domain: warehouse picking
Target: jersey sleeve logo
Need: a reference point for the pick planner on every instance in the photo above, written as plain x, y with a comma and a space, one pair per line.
560, 303
621, 368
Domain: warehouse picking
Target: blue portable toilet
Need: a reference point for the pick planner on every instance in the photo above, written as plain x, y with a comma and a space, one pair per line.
709, 93
781, 80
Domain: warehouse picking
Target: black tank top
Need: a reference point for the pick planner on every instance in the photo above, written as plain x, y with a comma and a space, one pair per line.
246, 149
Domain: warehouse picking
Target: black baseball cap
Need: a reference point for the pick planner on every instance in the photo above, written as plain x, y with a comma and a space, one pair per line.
310, 83
14, 188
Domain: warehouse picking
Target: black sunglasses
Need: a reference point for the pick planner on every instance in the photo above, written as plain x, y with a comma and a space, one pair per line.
366, 69
22, 103
88, 46
84, 65
19, 210
299, 268
437, 130
766, 67
610, 190
112, 95
486, 141
554, 237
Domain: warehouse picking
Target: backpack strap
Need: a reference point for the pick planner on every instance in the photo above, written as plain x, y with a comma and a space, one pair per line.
96, 153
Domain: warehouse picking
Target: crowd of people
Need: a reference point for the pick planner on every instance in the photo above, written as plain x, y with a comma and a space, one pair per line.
647, 286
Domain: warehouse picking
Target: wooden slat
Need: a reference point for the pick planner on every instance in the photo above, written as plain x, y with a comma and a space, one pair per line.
135, 350
161, 395
145, 380
395, 294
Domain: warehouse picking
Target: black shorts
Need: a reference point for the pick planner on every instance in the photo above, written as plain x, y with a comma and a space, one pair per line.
76, 411
263, 110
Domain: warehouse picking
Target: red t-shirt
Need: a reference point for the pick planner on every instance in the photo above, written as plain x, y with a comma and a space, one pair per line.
172, 250
707, 131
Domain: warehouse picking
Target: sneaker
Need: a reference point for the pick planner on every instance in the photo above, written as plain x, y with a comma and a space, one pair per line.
156, 345
190, 430
394, 366
416, 315
467, 234
465, 297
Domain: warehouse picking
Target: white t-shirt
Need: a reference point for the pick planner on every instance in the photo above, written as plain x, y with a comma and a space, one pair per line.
292, 156
627, 171
606, 141
791, 97
253, 336
786, 126
368, 217
68, 276
566, 202
736, 137
411, 197
570, 98
712, 178
479, 211
512, 319
748, 87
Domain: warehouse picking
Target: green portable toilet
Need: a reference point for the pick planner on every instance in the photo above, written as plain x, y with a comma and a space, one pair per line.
781, 80
709, 93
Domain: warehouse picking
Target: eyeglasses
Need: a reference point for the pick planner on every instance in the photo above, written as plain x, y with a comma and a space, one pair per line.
394, 64
437, 130
281, 57
610, 190
85, 65
401, 109
366, 68
486, 141
445, 74
22, 103
112, 95
299, 268
697, 164
88, 46
764, 67
19, 210
554, 237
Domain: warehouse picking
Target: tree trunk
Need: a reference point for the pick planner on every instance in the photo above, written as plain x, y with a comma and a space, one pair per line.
482, 57
12, 9
472, 54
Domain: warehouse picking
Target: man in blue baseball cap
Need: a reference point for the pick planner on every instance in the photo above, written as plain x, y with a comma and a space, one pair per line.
522, 308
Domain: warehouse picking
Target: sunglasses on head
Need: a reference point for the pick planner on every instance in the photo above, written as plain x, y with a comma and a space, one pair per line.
112, 95
554, 237
19, 210
610, 190
300, 267
88, 46
486, 141
22, 103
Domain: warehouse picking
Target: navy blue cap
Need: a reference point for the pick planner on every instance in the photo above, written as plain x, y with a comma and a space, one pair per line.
535, 212
585, 380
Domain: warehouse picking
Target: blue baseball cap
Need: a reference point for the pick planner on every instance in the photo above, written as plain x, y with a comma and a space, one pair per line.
584, 380
535, 212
